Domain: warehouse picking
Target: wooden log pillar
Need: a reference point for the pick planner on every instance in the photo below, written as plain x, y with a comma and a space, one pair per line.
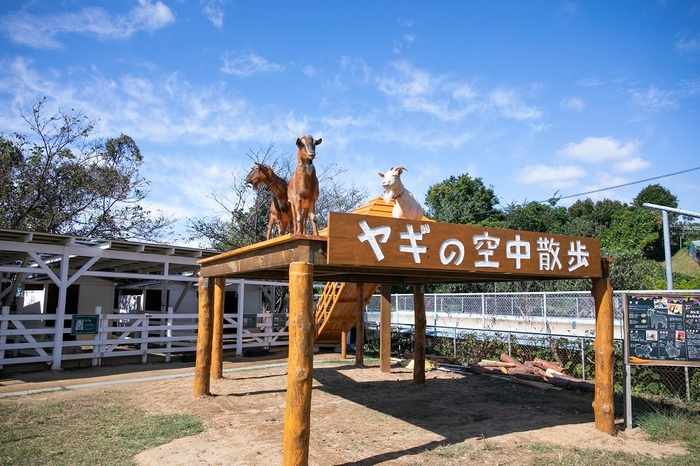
217, 349
385, 329
419, 334
297, 414
344, 344
603, 401
202, 371
360, 326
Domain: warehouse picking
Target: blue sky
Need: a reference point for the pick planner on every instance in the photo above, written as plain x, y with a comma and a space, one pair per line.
532, 97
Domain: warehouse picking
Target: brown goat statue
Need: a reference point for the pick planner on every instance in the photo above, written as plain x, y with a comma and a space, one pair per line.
280, 209
303, 186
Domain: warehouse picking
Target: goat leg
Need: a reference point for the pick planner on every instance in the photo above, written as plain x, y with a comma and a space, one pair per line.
312, 216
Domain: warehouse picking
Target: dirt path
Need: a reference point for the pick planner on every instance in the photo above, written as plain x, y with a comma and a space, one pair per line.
358, 416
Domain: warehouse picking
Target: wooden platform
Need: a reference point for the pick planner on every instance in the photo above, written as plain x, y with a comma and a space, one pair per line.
369, 249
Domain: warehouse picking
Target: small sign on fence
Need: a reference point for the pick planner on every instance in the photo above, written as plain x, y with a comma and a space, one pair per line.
84, 325
279, 321
250, 320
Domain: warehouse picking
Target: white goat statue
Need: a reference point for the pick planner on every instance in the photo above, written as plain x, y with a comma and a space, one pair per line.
406, 205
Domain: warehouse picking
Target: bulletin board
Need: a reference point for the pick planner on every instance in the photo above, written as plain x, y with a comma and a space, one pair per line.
662, 328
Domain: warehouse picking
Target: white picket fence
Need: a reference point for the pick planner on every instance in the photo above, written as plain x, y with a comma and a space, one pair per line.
26, 339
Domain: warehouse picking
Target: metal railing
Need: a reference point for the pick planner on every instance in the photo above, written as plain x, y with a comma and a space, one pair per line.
565, 313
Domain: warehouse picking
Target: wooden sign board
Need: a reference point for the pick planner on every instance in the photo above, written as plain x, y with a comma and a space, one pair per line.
662, 328
366, 240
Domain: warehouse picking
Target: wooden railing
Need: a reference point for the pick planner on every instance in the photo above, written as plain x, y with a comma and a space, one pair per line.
31, 338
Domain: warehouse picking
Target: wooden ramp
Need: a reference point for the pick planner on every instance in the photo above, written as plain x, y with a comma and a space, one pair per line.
336, 309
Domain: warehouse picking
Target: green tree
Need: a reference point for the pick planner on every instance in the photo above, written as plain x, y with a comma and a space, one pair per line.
632, 229
656, 194
535, 216
66, 181
461, 199
630, 270
591, 219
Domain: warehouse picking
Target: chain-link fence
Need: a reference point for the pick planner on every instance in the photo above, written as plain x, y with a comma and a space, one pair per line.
557, 327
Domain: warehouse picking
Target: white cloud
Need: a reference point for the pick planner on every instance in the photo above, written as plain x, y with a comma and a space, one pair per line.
569, 8
419, 91
509, 105
689, 45
464, 92
590, 82
410, 83
41, 31
556, 177
572, 103
600, 150
690, 87
248, 65
214, 11
631, 165
654, 100
450, 100
309, 70
353, 69
540, 128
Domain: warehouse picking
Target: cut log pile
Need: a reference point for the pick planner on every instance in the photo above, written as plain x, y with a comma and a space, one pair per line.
537, 370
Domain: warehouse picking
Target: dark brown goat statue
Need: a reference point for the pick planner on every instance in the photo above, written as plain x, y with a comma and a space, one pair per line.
303, 186
280, 209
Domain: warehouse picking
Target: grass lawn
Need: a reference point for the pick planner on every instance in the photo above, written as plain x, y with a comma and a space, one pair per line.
84, 431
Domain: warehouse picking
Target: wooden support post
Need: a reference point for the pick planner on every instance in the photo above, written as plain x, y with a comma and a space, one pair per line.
202, 371
419, 334
385, 329
297, 414
217, 350
360, 326
344, 344
603, 401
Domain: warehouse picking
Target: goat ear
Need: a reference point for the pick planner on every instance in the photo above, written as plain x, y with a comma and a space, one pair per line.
298, 142
381, 174
318, 141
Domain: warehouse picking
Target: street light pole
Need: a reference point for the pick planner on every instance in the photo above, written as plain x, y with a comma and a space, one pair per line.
667, 235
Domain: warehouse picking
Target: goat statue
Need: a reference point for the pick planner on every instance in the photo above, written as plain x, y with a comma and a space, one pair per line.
280, 209
406, 205
303, 186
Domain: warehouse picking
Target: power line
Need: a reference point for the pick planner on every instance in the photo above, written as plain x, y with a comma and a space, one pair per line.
628, 184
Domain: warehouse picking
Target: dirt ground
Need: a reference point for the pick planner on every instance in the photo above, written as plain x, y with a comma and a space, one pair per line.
359, 416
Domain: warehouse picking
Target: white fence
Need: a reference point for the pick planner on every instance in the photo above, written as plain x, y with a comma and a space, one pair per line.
31, 338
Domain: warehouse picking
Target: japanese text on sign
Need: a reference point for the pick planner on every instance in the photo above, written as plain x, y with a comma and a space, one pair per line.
484, 245
389, 242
